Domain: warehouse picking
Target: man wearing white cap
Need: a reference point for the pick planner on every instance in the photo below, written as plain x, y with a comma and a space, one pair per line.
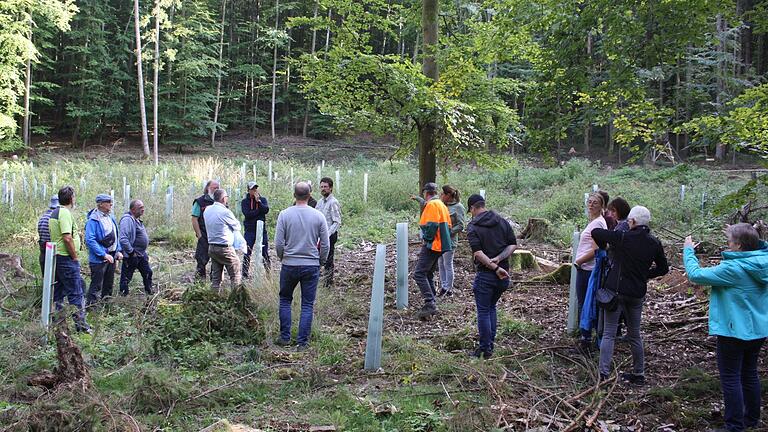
101, 237
44, 234
255, 208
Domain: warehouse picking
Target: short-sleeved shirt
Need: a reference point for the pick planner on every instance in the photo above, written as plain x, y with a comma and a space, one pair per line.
42, 227
586, 243
196, 210
60, 223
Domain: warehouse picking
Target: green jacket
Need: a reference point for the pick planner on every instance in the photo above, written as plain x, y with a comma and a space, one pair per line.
738, 304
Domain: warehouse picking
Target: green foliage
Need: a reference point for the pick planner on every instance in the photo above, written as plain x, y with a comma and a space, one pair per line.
191, 331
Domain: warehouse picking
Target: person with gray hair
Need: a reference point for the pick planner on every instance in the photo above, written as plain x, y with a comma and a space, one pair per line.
637, 257
198, 224
134, 240
738, 317
220, 224
302, 244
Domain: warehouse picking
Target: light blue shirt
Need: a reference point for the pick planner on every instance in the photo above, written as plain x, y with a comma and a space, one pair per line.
220, 224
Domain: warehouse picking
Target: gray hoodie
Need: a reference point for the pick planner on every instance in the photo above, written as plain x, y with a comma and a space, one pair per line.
133, 235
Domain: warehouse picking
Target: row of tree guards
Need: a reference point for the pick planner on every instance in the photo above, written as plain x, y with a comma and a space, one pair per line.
41, 190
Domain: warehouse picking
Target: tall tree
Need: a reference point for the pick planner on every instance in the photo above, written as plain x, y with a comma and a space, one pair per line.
155, 83
140, 80
274, 68
427, 158
217, 103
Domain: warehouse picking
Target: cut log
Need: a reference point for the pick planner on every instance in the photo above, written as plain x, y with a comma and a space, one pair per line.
537, 229
547, 265
561, 276
522, 259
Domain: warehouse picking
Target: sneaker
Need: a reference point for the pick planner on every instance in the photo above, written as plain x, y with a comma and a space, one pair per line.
480, 354
84, 328
427, 311
282, 342
444, 293
633, 378
302, 347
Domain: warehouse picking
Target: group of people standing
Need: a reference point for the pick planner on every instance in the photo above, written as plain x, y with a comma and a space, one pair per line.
107, 241
491, 240
738, 308
305, 239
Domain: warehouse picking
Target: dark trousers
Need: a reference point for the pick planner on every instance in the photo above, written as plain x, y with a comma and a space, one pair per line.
102, 281
41, 258
632, 309
250, 240
737, 363
424, 274
329, 267
69, 284
130, 265
488, 289
290, 276
201, 255
582, 283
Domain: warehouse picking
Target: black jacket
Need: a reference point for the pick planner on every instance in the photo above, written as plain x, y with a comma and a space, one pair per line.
632, 255
203, 201
253, 212
490, 233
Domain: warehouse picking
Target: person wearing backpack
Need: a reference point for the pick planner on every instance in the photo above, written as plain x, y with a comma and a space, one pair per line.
637, 257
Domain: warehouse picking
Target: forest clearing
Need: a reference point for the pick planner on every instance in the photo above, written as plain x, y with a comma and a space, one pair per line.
184, 359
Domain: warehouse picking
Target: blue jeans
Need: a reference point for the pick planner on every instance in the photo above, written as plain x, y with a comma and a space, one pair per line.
69, 284
737, 363
290, 276
488, 289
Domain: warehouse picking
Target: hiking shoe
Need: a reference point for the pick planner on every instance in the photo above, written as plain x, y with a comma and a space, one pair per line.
302, 347
480, 354
427, 311
83, 328
633, 378
444, 293
604, 377
282, 342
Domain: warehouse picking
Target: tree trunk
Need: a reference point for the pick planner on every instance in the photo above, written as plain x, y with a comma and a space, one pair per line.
217, 104
609, 135
328, 33
140, 79
27, 84
286, 98
720, 148
312, 53
156, 81
254, 87
427, 160
274, 69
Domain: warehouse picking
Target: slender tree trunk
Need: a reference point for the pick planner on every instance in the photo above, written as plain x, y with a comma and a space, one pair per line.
720, 148
156, 82
254, 87
140, 78
274, 69
415, 49
286, 98
328, 33
217, 105
427, 159
27, 84
312, 53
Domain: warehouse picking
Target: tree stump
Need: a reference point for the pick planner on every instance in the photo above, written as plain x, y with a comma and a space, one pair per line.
522, 259
71, 369
560, 276
537, 229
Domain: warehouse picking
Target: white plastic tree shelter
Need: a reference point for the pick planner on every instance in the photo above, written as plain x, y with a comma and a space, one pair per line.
402, 265
376, 316
48, 272
573, 299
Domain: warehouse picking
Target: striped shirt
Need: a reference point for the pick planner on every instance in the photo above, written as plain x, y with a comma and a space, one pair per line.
42, 227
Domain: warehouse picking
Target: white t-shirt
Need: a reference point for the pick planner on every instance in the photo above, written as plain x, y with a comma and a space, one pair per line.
585, 241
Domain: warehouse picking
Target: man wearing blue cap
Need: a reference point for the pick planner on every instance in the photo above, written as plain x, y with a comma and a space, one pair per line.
43, 232
101, 237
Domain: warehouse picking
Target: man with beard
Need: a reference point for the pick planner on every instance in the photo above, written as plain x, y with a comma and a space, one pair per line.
331, 210
198, 224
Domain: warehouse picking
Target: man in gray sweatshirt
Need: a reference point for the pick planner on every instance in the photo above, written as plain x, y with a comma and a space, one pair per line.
301, 243
134, 241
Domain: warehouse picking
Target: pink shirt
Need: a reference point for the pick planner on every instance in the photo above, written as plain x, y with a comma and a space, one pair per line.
585, 241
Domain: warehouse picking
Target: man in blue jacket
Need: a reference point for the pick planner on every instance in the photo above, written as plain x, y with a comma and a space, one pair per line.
101, 237
255, 209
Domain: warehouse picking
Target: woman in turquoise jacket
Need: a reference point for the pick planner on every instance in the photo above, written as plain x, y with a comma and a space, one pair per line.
738, 316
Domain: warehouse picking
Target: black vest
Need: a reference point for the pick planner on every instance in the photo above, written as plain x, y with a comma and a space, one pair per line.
203, 201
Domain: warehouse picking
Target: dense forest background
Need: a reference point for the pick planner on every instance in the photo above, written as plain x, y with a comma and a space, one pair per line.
661, 77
